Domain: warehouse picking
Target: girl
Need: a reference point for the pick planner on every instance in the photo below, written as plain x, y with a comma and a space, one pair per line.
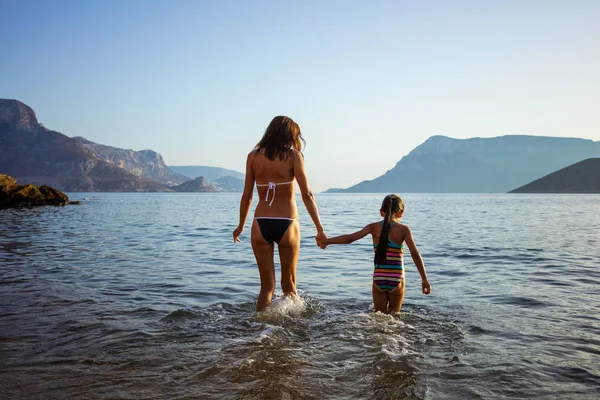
388, 240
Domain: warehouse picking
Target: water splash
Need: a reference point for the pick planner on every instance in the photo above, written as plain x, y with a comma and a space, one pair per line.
293, 306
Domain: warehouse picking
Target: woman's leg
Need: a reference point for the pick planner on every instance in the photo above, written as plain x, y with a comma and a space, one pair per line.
380, 299
263, 251
396, 298
289, 250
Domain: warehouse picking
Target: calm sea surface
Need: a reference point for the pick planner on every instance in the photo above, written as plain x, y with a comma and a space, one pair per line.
139, 296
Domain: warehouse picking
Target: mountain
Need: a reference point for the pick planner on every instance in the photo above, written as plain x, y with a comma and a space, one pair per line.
230, 184
200, 184
499, 164
210, 173
582, 177
146, 164
32, 153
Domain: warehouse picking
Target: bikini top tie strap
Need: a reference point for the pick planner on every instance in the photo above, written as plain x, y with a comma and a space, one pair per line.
272, 185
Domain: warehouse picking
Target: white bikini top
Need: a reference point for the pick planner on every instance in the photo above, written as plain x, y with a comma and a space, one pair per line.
272, 185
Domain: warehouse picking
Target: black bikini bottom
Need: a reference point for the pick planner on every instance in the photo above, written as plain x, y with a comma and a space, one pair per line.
273, 229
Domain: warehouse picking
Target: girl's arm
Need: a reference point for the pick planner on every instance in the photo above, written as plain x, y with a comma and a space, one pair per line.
246, 200
418, 260
346, 239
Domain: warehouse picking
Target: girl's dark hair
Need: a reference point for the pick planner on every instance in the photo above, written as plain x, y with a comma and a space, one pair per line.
281, 136
392, 204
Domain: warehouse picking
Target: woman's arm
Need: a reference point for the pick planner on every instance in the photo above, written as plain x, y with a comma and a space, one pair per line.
418, 260
308, 197
246, 200
347, 239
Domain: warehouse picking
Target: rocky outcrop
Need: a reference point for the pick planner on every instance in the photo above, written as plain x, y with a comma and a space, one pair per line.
199, 184
13, 195
146, 164
33, 154
443, 164
582, 177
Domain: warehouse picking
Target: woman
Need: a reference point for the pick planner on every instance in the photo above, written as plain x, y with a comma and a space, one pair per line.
274, 164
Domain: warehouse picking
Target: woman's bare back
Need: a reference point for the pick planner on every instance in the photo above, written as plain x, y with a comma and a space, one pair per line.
276, 187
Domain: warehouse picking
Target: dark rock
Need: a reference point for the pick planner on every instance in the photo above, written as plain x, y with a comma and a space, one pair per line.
6, 182
13, 195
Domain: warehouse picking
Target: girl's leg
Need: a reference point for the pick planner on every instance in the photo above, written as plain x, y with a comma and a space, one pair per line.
289, 249
396, 298
380, 299
263, 251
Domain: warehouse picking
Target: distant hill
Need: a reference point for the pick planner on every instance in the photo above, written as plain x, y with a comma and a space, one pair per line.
147, 164
210, 173
230, 184
34, 154
499, 164
582, 177
200, 184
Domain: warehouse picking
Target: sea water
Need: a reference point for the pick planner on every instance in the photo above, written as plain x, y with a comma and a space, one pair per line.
144, 296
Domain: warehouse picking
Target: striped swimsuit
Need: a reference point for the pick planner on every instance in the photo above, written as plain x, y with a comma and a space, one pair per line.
390, 275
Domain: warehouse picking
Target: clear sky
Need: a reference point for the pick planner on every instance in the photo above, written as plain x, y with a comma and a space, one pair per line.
198, 81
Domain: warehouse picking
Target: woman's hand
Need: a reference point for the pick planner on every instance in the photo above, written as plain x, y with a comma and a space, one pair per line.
236, 234
426, 286
321, 236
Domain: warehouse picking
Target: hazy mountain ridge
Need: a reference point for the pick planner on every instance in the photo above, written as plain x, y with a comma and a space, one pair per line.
147, 164
32, 153
200, 184
210, 173
499, 164
581, 177
230, 184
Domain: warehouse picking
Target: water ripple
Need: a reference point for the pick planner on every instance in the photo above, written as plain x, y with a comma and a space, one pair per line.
145, 296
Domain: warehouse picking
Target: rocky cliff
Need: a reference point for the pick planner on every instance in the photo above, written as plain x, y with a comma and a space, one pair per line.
146, 164
33, 154
443, 164
17, 116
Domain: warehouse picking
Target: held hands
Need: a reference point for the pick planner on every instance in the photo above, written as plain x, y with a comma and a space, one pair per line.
426, 287
236, 234
320, 239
